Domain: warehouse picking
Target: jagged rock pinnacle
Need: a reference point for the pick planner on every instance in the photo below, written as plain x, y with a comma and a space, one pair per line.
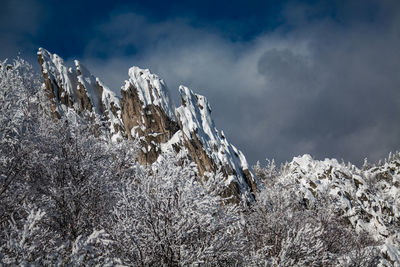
146, 112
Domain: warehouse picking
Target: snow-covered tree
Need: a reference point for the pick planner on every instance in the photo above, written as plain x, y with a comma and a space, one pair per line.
267, 174
19, 86
30, 242
69, 176
60, 168
166, 216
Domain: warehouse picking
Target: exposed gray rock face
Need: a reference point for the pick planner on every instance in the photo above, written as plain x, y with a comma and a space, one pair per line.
144, 110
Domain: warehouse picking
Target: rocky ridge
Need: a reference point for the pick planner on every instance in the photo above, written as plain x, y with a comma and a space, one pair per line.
143, 109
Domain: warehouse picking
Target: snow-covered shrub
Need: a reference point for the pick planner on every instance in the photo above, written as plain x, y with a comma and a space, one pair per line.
268, 174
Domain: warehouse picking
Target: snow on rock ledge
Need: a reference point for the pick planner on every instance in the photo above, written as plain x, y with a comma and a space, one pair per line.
79, 90
217, 153
150, 89
147, 112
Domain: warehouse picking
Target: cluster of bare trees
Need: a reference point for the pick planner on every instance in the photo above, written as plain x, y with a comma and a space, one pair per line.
69, 198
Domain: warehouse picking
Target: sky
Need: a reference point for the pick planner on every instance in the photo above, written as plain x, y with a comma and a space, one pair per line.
283, 78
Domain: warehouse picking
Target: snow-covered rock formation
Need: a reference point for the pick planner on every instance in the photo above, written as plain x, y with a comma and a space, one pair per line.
216, 152
77, 89
368, 198
145, 111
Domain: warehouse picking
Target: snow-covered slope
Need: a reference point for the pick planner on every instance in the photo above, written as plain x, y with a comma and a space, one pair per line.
145, 111
368, 198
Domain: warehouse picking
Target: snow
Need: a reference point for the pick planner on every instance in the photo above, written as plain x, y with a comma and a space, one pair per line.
195, 117
390, 250
349, 187
109, 99
56, 69
151, 89
71, 80
177, 138
88, 81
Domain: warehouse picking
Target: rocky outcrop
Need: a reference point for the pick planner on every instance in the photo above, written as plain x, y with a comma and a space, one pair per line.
147, 112
143, 110
208, 147
78, 90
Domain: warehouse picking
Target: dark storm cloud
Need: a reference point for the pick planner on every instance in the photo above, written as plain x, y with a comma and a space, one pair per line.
282, 79
329, 86
341, 96
335, 106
